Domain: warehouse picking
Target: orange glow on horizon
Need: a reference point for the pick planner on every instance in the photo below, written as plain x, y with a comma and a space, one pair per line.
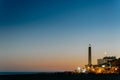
48, 65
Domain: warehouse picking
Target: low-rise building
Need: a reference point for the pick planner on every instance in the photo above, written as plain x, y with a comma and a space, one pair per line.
105, 60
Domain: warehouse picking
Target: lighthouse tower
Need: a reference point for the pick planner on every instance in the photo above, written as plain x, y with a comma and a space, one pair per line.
89, 55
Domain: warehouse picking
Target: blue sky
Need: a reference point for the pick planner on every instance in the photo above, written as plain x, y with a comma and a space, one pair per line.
57, 32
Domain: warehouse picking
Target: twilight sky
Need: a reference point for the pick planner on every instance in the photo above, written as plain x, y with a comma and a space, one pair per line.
53, 35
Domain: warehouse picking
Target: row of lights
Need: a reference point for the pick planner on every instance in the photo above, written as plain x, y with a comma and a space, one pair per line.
97, 69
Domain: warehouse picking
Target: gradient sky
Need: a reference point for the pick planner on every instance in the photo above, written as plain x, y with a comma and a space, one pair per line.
53, 35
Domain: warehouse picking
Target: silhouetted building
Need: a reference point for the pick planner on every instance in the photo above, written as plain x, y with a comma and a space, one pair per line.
89, 55
105, 60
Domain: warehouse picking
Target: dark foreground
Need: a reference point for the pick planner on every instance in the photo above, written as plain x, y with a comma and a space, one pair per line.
61, 76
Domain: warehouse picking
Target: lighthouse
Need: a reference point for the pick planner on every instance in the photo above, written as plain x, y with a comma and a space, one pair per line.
89, 55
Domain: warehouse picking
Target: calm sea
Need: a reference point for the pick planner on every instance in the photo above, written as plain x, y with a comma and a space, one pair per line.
11, 73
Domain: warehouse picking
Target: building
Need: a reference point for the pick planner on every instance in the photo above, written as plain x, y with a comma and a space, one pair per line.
89, 65
105, 60
89, 56
101, 61
103, 66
